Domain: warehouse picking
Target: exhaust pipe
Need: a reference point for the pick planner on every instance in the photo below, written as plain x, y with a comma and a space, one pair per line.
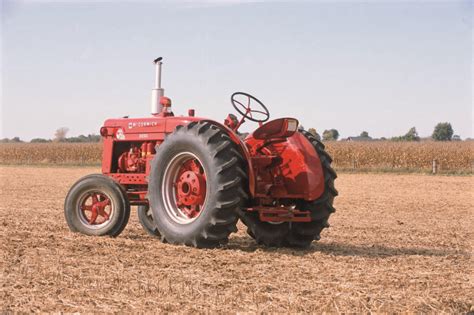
157, 91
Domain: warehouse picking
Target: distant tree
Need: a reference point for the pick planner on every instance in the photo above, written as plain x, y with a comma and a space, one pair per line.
94, 138
314, 133
411, 135
330, 135
364, 134
40, 140
456, 138
60, 134
12, 140
82, 138
443, 132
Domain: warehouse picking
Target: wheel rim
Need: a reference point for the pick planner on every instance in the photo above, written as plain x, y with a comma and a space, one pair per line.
184, 188
95, 209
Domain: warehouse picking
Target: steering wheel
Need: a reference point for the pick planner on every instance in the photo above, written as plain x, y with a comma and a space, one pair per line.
260, 115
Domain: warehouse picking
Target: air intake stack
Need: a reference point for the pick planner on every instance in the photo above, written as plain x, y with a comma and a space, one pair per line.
157, 91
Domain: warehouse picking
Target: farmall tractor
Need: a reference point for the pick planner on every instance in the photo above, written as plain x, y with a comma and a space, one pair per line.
194, 178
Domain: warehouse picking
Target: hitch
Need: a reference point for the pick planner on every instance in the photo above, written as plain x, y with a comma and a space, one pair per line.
281, 214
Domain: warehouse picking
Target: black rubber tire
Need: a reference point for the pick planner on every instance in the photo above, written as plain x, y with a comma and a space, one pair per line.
118, 196
264, 233
296, 234
221, 161
145, 217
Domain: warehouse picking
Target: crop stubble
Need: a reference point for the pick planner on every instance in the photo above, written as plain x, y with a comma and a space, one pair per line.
396, 243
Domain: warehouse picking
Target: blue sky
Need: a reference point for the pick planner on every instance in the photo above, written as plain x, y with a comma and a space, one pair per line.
382, 66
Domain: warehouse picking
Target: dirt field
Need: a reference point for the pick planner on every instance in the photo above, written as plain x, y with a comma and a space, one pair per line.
396, 243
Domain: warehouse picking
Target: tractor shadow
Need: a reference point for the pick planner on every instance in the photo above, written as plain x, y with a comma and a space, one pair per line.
246, 244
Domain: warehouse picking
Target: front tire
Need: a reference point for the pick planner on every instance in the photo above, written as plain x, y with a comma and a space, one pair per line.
196, 186
97, 205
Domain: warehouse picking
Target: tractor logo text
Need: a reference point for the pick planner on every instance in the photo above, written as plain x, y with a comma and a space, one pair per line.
140, 124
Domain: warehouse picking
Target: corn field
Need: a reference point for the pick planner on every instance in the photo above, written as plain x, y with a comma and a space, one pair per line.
51, 153
416, 156
380, 155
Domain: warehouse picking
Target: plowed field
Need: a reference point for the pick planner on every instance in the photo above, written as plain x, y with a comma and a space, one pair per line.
397, 243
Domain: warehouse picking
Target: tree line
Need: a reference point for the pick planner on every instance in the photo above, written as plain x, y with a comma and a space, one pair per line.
59, 136
443, 131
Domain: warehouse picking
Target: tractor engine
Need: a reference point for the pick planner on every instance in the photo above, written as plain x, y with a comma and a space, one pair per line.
135, 159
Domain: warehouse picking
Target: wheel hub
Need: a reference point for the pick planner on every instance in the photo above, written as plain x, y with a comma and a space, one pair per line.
96, 208
191, 189
184, 188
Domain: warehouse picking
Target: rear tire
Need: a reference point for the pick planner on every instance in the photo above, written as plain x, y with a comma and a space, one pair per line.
97, 205
264, 233
145, 217
298, 234
203, 153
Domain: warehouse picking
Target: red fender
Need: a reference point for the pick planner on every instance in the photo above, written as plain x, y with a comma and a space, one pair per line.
300, 169
305, 172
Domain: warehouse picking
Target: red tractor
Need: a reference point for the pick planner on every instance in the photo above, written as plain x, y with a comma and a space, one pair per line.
194, 178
